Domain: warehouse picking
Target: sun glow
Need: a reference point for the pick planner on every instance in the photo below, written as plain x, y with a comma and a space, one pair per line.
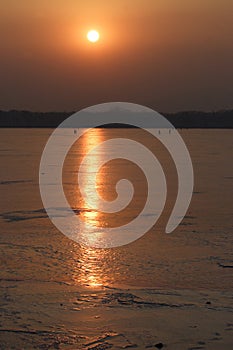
93, 36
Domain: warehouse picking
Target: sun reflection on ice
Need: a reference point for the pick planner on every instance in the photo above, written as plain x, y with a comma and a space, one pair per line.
90, 263
91, 215
91, 272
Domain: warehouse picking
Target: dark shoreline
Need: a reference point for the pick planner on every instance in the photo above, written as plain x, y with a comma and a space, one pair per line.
180, 120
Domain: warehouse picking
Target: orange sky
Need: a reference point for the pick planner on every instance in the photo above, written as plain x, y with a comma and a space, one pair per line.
167, 54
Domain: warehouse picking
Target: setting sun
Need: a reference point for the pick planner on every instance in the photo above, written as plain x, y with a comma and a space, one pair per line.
93, 36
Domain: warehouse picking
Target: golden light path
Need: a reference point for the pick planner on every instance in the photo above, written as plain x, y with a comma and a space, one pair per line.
91, 270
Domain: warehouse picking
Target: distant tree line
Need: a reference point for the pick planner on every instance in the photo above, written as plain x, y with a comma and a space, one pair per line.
190, 119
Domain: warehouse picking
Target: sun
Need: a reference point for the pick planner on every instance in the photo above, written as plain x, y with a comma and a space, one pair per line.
93, 36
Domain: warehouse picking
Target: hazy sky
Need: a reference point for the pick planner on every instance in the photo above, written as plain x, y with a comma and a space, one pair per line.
167, 54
